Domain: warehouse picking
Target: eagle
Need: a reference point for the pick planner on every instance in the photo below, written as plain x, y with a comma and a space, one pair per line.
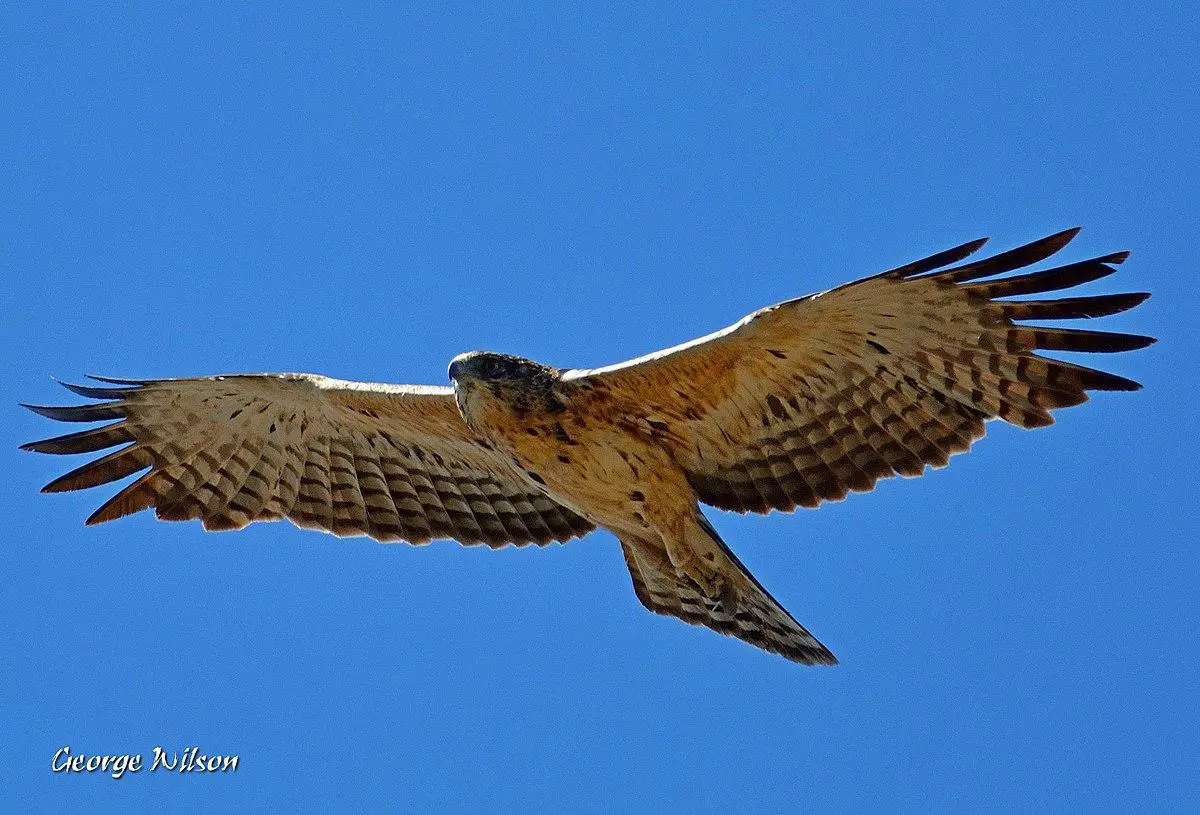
798, 403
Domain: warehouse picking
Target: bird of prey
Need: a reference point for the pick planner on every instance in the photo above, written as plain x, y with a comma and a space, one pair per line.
798, 403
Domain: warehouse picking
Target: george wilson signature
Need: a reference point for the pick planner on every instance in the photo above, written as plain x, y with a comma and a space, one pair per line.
190, 760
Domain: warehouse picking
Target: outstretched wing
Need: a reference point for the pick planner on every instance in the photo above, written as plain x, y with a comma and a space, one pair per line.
391, 462
808, 399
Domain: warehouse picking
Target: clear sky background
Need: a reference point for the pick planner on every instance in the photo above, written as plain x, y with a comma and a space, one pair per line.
365, 192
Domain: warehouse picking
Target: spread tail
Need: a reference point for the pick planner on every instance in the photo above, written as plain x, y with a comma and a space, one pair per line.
742, 608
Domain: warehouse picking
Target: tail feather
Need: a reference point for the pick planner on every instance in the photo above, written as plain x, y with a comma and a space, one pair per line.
742, 608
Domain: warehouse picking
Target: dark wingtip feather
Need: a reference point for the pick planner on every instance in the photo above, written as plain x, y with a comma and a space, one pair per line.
960, 252
94, 393
1116, 383
110, 380
108, 512
85, 441
1069, 376
1071, 308
112, 467
1065, 237
77, 413
1060, 277
1017, 258
1050, 244
133, 498
937, 261
1074, 339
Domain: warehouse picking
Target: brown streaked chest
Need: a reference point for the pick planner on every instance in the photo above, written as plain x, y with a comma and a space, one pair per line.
604, 463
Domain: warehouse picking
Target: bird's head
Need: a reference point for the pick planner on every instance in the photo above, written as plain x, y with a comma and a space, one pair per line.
490, 367
521, 384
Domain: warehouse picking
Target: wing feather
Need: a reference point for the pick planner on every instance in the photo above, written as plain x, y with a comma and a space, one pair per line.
812, 398
390, 462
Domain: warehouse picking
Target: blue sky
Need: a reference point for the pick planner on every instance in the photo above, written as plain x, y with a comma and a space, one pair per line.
365, 192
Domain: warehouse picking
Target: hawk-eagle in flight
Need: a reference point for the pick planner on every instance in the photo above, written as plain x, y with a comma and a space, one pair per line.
798, 403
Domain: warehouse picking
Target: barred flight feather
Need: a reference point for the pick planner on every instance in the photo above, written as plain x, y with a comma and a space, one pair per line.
810, 399
232, 450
